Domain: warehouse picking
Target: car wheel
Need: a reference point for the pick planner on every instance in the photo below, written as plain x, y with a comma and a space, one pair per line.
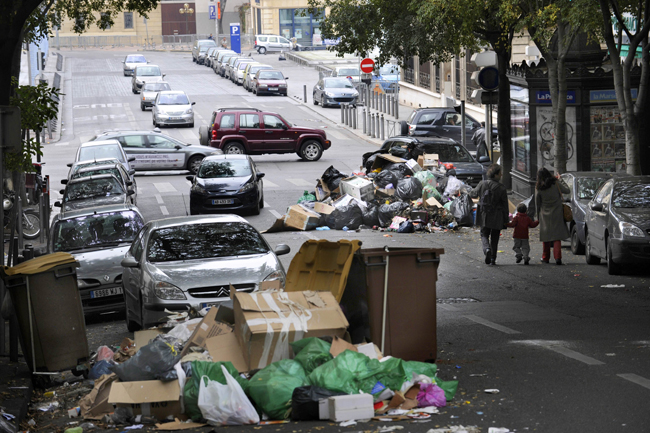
133, 90
234, 149
204, 139
403, 128
131, 324
256, 209
194, 163
262, 201
191, 125
153, 119
591, 260
142, 107
254, 90
311, 151
262, 50
612, 267
315, 101
577, 247
193, 59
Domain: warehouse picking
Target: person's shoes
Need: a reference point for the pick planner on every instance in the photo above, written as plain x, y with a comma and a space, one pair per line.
493, 262
544, 261
488, 256
558, 262
518, 260
526, 261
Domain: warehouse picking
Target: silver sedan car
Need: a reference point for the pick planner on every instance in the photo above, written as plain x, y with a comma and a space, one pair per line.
191, 262
173, 107
150, 91
131, 61
335, 91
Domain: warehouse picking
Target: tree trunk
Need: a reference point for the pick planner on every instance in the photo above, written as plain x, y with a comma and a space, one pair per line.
9, 49
222, 7
560, 141
503, 121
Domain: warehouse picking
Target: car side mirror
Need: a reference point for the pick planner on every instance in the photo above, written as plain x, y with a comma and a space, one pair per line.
190, 177
598, 207
282, 249
61, 191
193, 103
64, 181
122, 61
130, 262
178, 147
483, 159
260, 175
57, 204
69, 164
164, 75
129, 183
132, 172
286, 78
285, 127
131, 159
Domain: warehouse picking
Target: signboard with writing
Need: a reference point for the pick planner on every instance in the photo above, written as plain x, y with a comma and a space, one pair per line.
544, 97
608, 95
212, 12
235, 42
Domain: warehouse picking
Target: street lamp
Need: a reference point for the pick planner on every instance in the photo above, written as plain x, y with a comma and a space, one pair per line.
186, 10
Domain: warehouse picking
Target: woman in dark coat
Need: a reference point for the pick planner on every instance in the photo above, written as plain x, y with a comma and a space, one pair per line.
550, 213
492, 217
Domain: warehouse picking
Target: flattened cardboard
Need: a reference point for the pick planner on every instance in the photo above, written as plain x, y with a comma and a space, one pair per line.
151, 398
300, 218
278, 226
178, 425
95, 405
142, 338
370, 350
226, 348
394, 403
385, 159
322, 190
213, 324
323, 208
339, 346
432, 202
259, 326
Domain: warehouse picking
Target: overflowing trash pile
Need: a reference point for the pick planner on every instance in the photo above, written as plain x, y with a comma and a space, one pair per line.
269, 357
389, 193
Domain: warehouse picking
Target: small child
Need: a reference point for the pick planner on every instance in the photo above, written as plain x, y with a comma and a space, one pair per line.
521, 222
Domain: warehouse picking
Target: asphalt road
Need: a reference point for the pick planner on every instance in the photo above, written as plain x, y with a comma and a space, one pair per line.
566, 353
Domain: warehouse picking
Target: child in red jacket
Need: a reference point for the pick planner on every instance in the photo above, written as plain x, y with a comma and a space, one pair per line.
521, 222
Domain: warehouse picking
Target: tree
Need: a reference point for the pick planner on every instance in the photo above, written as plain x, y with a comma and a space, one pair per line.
221, 4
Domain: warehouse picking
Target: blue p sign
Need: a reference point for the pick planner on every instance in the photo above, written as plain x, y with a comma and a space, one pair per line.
235, 43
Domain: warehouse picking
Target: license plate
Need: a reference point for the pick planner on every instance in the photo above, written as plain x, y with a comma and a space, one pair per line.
273, 89
208, 304
106, 292
174, 118
223, 201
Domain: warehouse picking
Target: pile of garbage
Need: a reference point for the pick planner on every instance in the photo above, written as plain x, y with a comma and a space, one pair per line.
389, 193
249, 363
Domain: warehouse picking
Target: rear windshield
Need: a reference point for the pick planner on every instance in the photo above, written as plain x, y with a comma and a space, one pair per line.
225, 168
204, 241
148, 71
86, 172
98, 152
96, 230
348, 71
173, 99
155, 87
631, 195
135, 59
92, 188
389, 70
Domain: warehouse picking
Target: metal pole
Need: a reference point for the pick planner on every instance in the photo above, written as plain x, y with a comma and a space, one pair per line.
363, 115
396, 114
342, 114
383, 102
304, 90
463, 137
382, 128
369, 116
355, 118
372, 125
377, 127
488, 128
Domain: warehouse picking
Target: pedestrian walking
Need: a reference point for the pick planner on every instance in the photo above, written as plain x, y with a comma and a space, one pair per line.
480, 142
521, 223
492, 212
550, 213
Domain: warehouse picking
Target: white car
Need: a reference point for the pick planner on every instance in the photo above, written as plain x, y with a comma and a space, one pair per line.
131, 61
264, 43
150, 91
238, 73
100, 149
145, 74
350, 72
173, 107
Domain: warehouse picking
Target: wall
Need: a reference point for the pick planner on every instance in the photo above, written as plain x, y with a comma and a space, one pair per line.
139, 28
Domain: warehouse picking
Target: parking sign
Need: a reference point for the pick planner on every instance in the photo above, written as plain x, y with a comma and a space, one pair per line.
235, 44
212, 11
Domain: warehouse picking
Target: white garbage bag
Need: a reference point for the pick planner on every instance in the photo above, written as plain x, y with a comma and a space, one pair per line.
225, 404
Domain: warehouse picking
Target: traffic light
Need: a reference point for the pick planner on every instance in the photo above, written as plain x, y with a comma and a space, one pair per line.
487, 77
40, 61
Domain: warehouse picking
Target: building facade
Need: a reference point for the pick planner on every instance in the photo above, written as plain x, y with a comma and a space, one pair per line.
288, 18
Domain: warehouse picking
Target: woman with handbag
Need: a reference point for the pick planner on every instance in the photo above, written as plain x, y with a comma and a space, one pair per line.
550, 213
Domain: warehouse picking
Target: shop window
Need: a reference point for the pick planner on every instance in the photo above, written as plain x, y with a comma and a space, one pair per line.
520, 127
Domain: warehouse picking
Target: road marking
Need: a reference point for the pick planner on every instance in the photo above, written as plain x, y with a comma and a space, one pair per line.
61, 144
636, 379
309, 235
557, 347
273, 212
492, 325
447, 307
164, 210
164, 187
269, 184
336, 134
159, 198
130, 116
300, 182
189, 134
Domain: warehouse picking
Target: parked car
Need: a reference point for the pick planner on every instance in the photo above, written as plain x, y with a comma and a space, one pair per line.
216, 63
250, 71
468, 169
237, 75
266, 43
200, 48
98, 238
131, 61
229, 66
153, 150
145, 74
172, 107
228, 183
208, 55
100, 149
82, 165
113, 168
388, 77
191, 262
352, 73
270, 81
444, 122
150, 91
92, 191
221, 66
334, 91
617, 224
255, 132
583, 186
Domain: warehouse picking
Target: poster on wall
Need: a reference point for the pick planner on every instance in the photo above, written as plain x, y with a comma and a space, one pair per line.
607, 136
546, 134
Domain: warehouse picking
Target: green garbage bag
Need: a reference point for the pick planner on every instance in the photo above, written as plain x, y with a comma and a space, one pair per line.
213, 371
426, 178
311, 352
449, 387
431, 191
271, 387
306, 197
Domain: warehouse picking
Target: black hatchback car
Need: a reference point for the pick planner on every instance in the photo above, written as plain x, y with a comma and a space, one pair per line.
617, 224
226, 183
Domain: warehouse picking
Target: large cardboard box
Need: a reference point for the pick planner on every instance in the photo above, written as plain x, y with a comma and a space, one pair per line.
150, 397
358, 187
226, 348
267, 322
323, 208
385, 159
428, 160
218, 321
95, 405
301, 218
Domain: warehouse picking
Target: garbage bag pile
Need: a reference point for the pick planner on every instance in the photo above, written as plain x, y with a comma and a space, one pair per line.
389, 194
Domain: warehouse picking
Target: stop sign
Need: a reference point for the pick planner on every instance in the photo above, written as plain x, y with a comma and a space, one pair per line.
367, 65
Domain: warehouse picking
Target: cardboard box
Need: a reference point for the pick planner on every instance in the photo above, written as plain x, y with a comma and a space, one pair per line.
381, 192
301, 218
267, 322
323, 208
322, 191
95, 405
370, 350
413, 166
219, 321
432, 202
347, 407
150, 398
226, 348
324, 409
385, 159
358, 187
339, 345
429, 160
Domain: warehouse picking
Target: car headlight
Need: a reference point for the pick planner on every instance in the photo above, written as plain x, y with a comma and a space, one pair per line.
329, 95
355, 94
199, 189
276, 275
247, 187
168, 291
263, 85
189, 111
630, 230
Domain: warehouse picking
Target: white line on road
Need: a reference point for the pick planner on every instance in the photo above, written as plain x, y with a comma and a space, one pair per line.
159, 199
309, 235
555, 347
636, 379
130, 116
273, 212
300, 182
189, 134
164, 187
492, 325
336, 134
164, 210
269, 184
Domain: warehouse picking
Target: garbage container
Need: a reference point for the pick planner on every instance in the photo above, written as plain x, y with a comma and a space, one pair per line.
408, 277
46, 298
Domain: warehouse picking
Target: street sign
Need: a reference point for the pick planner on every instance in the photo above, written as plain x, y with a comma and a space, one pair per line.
212, 12
235, 42
367, 65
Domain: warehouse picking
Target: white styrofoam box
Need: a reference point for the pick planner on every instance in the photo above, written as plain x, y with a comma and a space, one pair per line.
359, 188
413, 166
348, 407
324, 408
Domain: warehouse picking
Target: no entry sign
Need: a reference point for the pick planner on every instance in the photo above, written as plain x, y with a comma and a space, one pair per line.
367, 65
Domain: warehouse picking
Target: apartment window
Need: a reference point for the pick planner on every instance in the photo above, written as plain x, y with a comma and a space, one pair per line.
128, 20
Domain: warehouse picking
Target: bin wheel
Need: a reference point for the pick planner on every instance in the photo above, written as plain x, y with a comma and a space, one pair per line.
41, 381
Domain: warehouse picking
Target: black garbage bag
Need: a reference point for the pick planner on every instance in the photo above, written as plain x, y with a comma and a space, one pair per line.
461, 209
406, 227
530, 206
384, 178
399, 152
388, 211
369, 159
304, 402
371, 215
408, 188
332, 177
399, 168
152, 362
350, 216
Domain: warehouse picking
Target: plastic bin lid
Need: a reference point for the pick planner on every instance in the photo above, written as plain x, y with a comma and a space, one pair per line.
41, 264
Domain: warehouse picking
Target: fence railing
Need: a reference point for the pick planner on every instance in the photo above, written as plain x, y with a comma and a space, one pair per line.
424, 80
151, 42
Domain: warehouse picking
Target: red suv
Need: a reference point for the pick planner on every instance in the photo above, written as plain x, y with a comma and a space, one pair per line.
254, 132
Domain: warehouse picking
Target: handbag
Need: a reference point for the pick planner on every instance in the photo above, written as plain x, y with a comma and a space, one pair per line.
566, 209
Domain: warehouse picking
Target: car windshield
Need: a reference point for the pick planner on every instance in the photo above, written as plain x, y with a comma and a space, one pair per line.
631, 195
243, 65
155, 87
105, 187
100, 152
148, 71
225, 168
173, 99
204, 241
449, 152
254, 69
587, 187
348, 71
271, 75
135, 59
89, 171
96, 230
338, 83
389, 70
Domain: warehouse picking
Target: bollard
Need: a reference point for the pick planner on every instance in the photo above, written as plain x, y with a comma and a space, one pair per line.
369, 118
354, 118
377, 127
396, 113
342, 113
382, 100
363, 116
372, 125
382, 128
390, 105
304, 89
347, 114
28, 252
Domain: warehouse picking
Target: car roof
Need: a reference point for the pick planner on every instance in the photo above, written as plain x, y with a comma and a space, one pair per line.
156, 83
100, 167
90, 161
89, 178
196, 219
594, 174
155, 131
108, 208
225, 156
100, 143
171, 92
632, 178
430, 139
